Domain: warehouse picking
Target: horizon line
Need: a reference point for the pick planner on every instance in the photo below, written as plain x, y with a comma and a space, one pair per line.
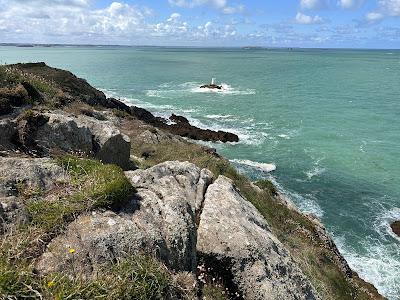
252, 47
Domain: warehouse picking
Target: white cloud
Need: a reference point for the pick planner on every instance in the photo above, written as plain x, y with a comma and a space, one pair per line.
75, 21
307, 20
221, 5
386, 8
310, 4
193, 3
348, 4
390, 7
374, 17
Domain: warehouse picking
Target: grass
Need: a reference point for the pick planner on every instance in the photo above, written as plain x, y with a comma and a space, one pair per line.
297, 232
93, 185
140, 277
15, 76
214, 292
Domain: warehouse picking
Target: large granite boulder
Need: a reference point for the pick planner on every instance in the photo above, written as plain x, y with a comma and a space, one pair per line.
232, 235
159, 221
81, 134
33, 173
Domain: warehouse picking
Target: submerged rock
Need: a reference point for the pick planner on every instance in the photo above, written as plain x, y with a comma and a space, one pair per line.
233, 236
159, 221
396, 227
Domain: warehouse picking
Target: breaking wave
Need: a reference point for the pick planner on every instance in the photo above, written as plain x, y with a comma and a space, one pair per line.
265, 167
167, 90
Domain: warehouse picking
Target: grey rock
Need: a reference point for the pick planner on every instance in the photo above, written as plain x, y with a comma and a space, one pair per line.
8, 133
233, 232
159, 221
21, 177
33, 173
86, 135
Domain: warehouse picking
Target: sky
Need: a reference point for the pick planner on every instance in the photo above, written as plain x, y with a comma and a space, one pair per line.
205, 23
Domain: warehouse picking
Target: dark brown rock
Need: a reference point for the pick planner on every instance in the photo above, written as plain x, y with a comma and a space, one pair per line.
5, 106
142, 114
178, 119
183, 127
117, 104
16, 95
33, 93
211, 86
396, 227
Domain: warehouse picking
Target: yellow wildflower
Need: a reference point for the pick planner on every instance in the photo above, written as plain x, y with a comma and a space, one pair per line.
72, 250
50, 284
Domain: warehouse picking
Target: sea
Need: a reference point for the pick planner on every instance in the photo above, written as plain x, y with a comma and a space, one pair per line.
328, 119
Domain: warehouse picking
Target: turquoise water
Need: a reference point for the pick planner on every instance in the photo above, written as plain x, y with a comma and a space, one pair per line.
328, 119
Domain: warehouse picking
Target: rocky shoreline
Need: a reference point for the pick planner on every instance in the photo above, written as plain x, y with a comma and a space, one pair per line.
92, 189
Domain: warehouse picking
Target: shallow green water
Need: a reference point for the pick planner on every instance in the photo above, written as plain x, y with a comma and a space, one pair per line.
328, 119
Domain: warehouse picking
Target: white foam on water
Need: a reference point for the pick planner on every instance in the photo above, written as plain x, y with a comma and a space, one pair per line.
220, 117
383, 221
284, 136
306, 204
226, 90
315, 172
246, 136
261, 166
378, 266
167, 90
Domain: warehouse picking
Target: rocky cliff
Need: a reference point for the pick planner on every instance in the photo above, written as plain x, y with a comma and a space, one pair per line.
102, 200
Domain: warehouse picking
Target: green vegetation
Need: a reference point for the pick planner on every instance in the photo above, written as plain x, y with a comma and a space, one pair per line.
138, 277
93, 185
297, 232
214, 292
13, 75
268, 186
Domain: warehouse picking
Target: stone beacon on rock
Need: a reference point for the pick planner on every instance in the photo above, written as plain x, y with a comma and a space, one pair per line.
212, 85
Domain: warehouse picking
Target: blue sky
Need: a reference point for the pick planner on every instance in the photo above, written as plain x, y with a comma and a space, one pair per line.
283, 23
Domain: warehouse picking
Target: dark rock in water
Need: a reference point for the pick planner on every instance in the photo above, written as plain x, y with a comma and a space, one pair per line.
182, 127
178, 119
211, 86
396, 227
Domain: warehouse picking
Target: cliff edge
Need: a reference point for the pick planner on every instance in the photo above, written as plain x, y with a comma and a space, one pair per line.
102, 200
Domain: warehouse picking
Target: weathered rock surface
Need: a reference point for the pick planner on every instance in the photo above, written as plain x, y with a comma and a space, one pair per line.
22, 177
396, 227
160, 220
34, 173
182, 127
81, 134
8, 134
233, 234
